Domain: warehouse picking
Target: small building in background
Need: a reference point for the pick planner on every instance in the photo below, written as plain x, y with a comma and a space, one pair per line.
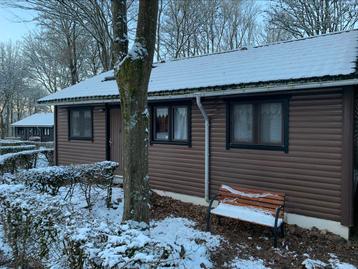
38, 127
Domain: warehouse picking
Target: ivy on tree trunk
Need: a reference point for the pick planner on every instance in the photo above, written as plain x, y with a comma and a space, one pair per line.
132, 73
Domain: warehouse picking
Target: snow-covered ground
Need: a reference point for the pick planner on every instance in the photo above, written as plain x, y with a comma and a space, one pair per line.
191, 248
194, 246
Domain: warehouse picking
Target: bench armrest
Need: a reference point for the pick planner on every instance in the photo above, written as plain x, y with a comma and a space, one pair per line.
278, 210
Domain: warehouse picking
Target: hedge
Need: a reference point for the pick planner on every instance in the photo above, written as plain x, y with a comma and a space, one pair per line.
12, 162
50, 179
14, 149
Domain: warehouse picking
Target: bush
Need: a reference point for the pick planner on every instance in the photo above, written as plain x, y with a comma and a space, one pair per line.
99, 245
6, 142
30, 222
48, 229
50, 179
12, 162
14, 149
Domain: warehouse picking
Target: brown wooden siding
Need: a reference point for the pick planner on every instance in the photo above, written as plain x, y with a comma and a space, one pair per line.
310, 173
180, 168
81, 151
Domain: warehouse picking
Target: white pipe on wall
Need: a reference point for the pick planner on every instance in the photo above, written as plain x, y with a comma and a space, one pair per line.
207, 137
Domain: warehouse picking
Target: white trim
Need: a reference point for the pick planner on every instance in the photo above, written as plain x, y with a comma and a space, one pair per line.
300, 220
211, 92
322, 224
183, 197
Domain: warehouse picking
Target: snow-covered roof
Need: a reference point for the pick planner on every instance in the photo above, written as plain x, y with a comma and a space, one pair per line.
36, 120
326, 56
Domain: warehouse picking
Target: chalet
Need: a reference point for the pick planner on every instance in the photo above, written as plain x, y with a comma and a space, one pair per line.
37, 125
278, 117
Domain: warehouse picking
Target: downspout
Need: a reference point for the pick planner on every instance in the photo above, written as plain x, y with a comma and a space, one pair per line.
207, 135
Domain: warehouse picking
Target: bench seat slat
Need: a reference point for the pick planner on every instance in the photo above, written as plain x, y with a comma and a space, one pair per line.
246, 214
280, 195
268, 201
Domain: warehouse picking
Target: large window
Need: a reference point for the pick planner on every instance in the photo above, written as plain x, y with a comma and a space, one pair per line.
258, 125
80, 123
171, 124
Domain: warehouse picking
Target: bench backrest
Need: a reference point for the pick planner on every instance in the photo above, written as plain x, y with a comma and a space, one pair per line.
258, 199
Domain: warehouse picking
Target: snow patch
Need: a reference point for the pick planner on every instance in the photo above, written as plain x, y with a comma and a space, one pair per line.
252, 263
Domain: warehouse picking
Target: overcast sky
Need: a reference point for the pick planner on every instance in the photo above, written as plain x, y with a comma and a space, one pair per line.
15, 23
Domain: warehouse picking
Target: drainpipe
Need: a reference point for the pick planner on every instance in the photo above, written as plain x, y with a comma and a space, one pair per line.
207, 125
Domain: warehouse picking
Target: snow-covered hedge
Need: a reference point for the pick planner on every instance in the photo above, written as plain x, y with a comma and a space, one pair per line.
49, 229
13, 149
9, 142
99, 245
29, 222
12, 162
50, 179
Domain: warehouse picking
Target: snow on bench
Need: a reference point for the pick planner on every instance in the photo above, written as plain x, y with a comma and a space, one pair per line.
250, 205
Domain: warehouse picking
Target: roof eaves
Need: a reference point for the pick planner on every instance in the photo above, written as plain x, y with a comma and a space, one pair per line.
248, 86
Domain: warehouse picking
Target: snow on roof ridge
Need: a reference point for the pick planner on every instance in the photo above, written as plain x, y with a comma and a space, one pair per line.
245, 48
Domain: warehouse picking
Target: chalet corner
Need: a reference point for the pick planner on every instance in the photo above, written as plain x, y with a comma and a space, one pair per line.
280, 117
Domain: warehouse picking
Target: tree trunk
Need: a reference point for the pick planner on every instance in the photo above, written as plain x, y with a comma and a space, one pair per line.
132, 75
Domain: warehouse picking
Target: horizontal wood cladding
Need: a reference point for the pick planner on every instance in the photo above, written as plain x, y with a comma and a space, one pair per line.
310, 173
180, 168
81, 151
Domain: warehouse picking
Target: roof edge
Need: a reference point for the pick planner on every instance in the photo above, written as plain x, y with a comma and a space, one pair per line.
214, 91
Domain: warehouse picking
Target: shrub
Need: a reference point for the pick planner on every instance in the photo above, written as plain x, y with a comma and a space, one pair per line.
12, 162
99, 245
14, 149
30, 222
50, 179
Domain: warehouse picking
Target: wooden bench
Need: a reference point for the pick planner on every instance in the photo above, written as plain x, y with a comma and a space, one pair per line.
256, 206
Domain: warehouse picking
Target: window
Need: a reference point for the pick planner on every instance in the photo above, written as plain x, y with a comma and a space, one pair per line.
46, 131
170, 124
80, 124
258, 125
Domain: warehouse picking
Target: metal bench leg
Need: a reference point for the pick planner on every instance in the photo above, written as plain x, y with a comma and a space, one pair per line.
274, 237
282, 230
275, 228
208, 216
219, 220
208, 220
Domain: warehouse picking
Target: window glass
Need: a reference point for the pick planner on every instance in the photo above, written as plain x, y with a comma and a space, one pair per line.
242, 123
180, 124
87, 123
75, 123
81, 123
271, 123
161, 123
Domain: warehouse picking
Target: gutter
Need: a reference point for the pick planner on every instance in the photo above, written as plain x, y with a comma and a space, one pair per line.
211, 92
207, 149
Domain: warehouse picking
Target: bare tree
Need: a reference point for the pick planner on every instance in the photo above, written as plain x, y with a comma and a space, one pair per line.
300, 18
132, 74
189, 28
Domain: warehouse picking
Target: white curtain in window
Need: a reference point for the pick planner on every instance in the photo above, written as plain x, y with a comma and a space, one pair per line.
243, 123
162, 124
271, 123
180, 123
75, 123
87, 123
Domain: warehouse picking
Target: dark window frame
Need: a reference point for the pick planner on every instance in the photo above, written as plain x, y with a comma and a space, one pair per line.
86, 138
256, 102
170, 107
